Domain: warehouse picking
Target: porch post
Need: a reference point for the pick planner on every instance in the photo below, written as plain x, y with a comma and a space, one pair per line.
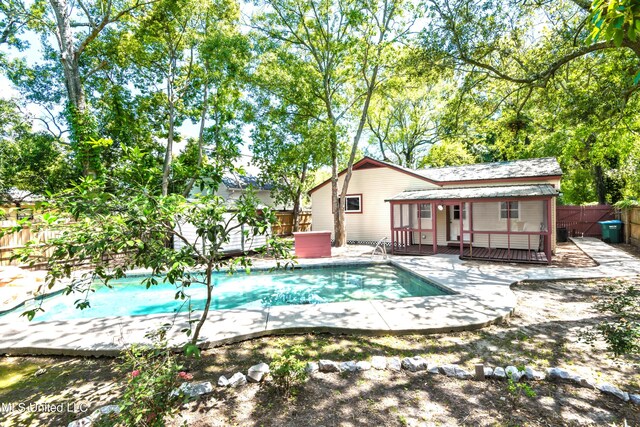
547, 245
461, 206
509, 229
419, 206
392, 227
471, 229
434, 225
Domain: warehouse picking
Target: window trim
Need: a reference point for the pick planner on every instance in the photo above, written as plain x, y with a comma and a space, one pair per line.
509, 209
357, 195
420, 211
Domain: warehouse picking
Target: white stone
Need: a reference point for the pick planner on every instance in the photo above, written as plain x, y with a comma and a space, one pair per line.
238, 379
257, 372
105, 410
614, 391
328, 366
583, 382
433, 368
455, 371
513, 373
312, 367
82, 422
349, 366
448, 370
363, 365
634, 398
379, 362
499, 373
193, 389
394, 364
560, 374
223, 381
488, 372
533, 375
414, 364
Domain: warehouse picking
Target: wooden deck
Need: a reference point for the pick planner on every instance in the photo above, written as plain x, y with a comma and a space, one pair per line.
513, 255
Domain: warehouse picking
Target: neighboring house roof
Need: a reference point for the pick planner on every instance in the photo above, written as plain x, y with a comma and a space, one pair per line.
15, 196
506, 191
242, 182
498, 171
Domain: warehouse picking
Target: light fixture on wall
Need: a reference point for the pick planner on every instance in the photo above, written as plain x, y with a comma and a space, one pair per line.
440, 207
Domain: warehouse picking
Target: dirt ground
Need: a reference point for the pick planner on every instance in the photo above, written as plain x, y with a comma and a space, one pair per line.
543, 332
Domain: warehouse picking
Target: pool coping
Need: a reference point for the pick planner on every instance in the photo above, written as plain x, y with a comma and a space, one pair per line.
483, 297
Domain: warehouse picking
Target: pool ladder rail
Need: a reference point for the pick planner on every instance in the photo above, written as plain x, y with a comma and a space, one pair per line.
383, 248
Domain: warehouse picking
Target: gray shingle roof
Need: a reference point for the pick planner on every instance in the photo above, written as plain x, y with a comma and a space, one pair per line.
478, 192
243, 181
546, 166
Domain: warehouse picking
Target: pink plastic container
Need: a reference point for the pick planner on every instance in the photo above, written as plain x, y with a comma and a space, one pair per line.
313, 244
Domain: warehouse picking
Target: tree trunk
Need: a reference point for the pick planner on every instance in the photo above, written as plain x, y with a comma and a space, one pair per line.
203, 118
207, 304
77, 105
601, 189
166, 168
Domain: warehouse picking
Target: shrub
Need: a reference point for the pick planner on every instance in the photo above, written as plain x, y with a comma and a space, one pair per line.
288, 371
150, 374
621, 331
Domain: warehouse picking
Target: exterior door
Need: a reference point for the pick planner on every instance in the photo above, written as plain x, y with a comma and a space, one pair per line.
453, 215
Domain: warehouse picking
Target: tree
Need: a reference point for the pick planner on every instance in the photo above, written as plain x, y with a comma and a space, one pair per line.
67, 22
114, 237
511, 83
447, 154
343, 47
405, 119
29, 161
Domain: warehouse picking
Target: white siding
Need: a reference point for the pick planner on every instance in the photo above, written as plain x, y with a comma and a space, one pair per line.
237, 242
375, 185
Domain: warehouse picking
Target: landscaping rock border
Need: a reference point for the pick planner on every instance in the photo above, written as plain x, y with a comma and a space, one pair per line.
260, 372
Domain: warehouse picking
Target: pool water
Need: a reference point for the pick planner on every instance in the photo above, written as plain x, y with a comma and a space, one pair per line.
241, 290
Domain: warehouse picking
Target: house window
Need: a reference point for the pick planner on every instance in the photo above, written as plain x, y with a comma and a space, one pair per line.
456, 211
509, 210
425, 211
353, 203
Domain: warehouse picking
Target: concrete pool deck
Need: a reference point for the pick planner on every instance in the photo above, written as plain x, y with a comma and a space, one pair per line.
483, 296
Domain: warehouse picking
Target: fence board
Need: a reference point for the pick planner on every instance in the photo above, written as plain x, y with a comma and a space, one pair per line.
633, 225
284, 226
583, 220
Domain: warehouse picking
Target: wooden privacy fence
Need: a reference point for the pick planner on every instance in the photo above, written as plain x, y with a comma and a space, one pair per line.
18, 240
284, 227
631, 219
583, 220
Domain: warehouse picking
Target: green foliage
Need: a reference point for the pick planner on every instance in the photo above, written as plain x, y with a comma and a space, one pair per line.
615, 20
150, 374
447, 154
288, 371
517, 389
621, 329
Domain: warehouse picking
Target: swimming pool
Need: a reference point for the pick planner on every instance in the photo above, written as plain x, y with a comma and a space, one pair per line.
242, 290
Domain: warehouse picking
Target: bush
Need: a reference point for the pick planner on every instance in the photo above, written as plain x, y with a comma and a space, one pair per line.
288, 371
150, 374
621, 331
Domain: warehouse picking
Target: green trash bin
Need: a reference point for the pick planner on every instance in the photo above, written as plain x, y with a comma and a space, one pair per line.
611, 231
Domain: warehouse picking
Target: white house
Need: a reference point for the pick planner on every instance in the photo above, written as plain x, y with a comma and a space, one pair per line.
502, 211
232, 187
